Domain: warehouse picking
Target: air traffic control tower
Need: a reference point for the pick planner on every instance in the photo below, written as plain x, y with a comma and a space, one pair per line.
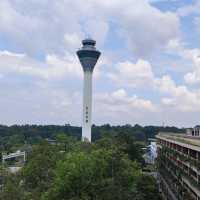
88, 56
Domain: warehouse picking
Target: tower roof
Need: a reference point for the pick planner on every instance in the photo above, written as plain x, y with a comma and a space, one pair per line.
89, 42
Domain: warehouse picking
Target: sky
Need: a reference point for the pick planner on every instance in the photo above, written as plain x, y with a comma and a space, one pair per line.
148, 73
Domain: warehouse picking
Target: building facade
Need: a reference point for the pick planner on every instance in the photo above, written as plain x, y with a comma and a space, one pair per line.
151, 153
195, 132
178, 165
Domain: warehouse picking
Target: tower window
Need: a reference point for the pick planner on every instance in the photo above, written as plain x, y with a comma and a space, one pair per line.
86, 121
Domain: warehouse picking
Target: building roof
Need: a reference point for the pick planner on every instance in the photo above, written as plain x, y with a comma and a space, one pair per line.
180, 138
89, 42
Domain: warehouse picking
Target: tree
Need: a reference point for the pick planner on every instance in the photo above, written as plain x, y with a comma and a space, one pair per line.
147, 188
11, 189
39, 171
101, 174
66, 142
124, 143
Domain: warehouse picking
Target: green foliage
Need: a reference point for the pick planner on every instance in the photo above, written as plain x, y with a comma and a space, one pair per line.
125, 143
39, 171
147, 189
12, 189
108, 169
12, 137
66, 143
102, 174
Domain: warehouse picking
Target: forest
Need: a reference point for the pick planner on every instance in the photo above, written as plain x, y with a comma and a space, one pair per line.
12, 137
109, 168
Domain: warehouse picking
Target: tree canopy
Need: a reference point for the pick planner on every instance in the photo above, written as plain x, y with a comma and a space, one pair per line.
16, 136
108, 169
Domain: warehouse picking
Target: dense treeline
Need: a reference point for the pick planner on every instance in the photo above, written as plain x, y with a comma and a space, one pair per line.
30, 134
108, 169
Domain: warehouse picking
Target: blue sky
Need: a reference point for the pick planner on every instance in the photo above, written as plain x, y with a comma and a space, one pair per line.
148, 73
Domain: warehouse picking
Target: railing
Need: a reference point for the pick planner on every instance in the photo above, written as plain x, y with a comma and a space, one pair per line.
13, 155
166, 163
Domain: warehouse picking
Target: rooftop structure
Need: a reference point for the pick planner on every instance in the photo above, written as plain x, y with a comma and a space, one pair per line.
13, 155
88, 56
179, 166
182, 139
195, 132
17, 165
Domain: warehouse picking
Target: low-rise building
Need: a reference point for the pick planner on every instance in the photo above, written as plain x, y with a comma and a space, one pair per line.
178, 165
151, 153
194, 132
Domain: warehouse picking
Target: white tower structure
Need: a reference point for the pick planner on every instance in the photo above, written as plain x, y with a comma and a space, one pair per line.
88, 56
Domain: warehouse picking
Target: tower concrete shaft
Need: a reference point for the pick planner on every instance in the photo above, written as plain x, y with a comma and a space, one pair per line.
87, 106
88, 56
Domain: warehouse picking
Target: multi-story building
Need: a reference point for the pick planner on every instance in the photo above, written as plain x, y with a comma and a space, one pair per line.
178, 165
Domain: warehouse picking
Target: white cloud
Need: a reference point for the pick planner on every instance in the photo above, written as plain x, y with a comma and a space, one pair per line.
178, 97
97, 29
11, 54
119, 107
189, 9
197, 23
49, 32
120, 101
54, 67
193, 55
155, 1
37, 27
193, 77
140, 30
36, 105
137, 74
72, 41
53, 25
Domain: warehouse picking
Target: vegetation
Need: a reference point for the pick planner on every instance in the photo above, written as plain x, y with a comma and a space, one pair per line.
108, 169
13, 137
147, 189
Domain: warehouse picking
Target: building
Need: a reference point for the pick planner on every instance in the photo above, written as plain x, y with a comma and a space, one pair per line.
88, 56
151, 153
15, 166
13, 156
195, 132
52, 141
178, 165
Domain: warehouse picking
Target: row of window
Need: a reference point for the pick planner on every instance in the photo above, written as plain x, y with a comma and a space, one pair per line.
86, 115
